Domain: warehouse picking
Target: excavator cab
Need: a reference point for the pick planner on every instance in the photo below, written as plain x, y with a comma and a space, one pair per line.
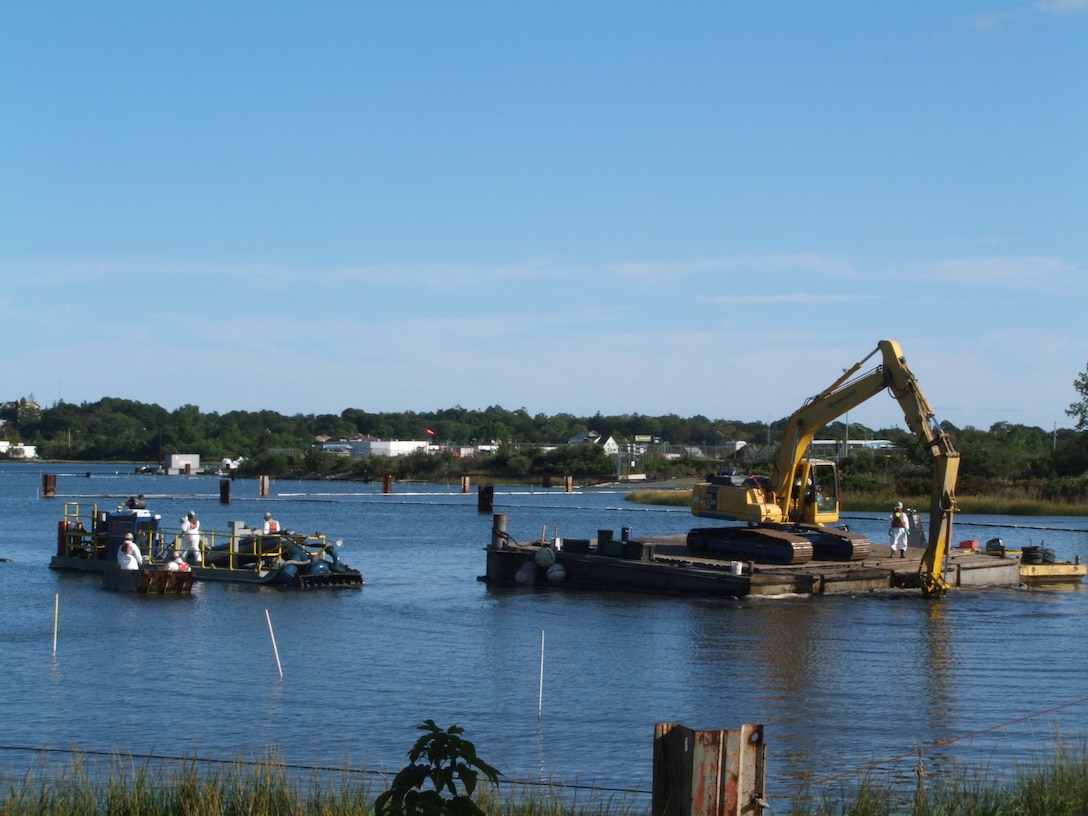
815, 496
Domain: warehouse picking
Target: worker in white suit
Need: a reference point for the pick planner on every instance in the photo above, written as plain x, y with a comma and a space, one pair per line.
129, 556
897, 530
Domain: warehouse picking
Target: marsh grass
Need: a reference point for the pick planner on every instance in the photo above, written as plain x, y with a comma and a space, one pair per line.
1054, 785
191, 789
967, 504
678, 497
882, 501
269, 788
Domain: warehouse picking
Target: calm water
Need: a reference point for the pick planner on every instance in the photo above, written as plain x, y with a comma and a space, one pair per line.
838, 683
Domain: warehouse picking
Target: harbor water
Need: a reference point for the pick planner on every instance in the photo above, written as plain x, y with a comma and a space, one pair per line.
552, 685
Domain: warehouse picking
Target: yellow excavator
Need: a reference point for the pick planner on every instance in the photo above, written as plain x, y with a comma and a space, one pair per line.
787, 516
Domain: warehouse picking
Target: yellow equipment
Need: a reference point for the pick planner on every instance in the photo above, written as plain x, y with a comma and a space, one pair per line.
788, 514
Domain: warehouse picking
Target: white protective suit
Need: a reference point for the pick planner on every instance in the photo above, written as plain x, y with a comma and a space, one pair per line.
190, 539
897, 530
129, 555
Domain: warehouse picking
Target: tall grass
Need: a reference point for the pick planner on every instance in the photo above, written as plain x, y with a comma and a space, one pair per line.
883, 501
269, 788
1055, 785
679, 498
193, 789
1052, 785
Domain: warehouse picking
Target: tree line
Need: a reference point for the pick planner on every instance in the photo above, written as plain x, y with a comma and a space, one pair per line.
1054, 463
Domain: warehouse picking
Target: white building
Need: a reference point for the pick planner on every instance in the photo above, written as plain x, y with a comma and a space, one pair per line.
364, 448
396, 447
611, 447
17, 450
177, 463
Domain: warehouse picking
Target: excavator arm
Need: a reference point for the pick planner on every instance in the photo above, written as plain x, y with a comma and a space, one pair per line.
846, 393
946, 465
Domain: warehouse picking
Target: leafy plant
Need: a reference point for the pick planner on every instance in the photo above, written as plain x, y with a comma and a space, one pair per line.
441, 762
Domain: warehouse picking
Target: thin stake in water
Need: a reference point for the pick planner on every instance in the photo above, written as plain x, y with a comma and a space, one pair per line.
274, 648
540, 696
56, 621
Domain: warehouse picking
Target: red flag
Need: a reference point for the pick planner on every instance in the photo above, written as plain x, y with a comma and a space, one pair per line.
430, 432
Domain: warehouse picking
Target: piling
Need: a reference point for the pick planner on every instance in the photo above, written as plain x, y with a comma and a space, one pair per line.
465, 480
568, 483
485, 498
262, 486
49, 485
387, 483
498, 531
708, 773
224, 491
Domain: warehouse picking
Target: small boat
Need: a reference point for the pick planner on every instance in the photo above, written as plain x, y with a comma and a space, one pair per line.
284, 558
88, 541
1039, 567
1057, 573
150, 579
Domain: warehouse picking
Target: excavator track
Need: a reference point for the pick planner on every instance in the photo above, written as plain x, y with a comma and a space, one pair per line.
347, 578
760, 544
836, 544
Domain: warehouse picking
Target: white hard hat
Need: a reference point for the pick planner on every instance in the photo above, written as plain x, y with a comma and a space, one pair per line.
899, 505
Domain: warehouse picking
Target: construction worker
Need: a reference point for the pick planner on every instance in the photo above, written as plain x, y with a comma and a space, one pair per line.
897, 530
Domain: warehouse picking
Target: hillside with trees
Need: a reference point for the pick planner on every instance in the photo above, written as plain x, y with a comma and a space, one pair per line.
1006, 460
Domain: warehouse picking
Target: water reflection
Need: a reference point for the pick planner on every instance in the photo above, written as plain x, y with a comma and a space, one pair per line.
940, 666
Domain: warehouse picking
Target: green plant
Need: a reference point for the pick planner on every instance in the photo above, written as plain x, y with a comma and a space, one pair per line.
439, 762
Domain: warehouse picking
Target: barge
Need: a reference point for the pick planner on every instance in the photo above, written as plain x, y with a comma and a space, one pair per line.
88, 540
666, 565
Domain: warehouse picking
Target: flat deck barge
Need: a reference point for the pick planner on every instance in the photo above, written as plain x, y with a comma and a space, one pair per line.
665, 565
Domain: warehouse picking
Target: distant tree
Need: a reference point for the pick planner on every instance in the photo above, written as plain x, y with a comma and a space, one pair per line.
1070, 457
1079, 409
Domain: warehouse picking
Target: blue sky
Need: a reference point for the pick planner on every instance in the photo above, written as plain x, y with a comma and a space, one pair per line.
655, 208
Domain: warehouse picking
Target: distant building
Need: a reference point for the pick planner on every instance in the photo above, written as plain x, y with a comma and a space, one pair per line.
396, 447
365, 448
17, 450
611, 447
178, 463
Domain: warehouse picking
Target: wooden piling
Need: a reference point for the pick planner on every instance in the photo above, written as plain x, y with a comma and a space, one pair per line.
465, 480
485, 498
224, 491
262, 486
387, 483
49, 485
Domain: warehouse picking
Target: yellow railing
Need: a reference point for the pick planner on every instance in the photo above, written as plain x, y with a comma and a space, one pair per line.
245, 551
81, 540
77, 530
